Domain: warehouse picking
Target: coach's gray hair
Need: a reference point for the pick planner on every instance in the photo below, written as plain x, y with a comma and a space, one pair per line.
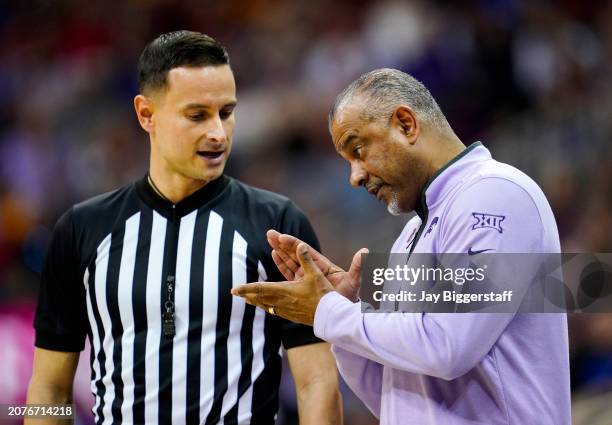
384, 90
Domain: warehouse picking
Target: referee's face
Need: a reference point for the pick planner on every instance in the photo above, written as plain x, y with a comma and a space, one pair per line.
193, 122
384, 156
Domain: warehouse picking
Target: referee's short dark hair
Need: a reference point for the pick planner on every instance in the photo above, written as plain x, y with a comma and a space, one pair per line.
175, 49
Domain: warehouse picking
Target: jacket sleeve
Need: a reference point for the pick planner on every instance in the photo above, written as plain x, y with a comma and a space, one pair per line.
363, 376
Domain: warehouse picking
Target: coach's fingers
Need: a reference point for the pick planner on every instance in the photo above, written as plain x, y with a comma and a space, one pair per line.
265, 293
282, 266
288, 260
272, 237
285, 245
282, 240
356, 264
289, 244
322, 261
306, 261
256, 288
291, 315
288, 241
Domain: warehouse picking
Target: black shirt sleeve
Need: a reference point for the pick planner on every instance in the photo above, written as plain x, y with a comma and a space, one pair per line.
61, 317
294, 222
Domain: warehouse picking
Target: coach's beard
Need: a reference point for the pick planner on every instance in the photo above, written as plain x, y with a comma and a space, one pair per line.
393, 206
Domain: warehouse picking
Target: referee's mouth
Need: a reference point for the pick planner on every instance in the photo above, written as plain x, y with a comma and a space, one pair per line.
212, 157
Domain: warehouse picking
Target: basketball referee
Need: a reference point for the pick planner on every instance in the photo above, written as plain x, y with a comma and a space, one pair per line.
146, 271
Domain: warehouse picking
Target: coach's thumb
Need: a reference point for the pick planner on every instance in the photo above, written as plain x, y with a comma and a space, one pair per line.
306, 260
357, 263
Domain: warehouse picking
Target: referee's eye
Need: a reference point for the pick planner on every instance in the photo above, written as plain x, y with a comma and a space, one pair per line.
226, 113
196, 117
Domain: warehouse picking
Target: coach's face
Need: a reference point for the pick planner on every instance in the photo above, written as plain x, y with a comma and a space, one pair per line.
192, 122
385, 155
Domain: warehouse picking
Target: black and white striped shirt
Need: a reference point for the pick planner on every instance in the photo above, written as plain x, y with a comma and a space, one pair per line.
107, 274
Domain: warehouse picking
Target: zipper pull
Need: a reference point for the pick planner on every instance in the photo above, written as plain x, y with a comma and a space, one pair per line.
168, 325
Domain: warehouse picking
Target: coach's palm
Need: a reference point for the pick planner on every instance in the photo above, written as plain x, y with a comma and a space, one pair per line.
284, 254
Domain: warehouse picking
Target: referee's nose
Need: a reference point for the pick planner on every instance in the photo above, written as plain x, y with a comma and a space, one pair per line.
215, 132
358, 175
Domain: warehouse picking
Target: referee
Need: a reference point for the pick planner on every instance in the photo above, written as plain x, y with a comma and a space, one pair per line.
146, 271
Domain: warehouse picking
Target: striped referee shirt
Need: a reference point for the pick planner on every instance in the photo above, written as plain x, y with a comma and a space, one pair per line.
119, 261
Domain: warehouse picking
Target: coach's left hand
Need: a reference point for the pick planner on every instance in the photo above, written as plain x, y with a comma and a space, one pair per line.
295, 300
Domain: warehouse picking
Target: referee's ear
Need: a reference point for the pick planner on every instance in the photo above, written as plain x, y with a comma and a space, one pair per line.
144, 111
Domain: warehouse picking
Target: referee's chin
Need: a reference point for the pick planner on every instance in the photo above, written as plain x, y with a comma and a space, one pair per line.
209, 174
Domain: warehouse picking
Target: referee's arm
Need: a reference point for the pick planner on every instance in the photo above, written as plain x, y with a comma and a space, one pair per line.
60, 322
52, 380
316, 383
311, 361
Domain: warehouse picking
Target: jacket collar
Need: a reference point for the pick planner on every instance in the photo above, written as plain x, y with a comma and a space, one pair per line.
447, 177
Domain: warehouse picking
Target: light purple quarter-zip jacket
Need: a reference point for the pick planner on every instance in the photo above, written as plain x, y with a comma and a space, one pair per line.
463, 368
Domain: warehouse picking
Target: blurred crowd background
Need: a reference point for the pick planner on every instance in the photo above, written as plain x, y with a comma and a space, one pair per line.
532, 80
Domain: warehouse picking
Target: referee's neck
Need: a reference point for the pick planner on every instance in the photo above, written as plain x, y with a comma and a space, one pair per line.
174, 188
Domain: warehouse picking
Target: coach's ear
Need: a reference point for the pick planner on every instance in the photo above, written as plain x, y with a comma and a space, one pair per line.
144, 111
404, 119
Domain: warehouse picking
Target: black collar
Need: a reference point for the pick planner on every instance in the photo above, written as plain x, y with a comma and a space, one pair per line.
421, 207
194, 201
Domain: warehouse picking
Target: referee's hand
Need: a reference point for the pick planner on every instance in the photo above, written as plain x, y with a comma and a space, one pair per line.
284, 254
294, 300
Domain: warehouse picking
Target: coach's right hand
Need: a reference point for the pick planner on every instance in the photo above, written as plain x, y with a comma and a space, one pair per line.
284, 248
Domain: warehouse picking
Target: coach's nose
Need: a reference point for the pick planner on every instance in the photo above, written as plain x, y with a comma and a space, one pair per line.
359, 176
